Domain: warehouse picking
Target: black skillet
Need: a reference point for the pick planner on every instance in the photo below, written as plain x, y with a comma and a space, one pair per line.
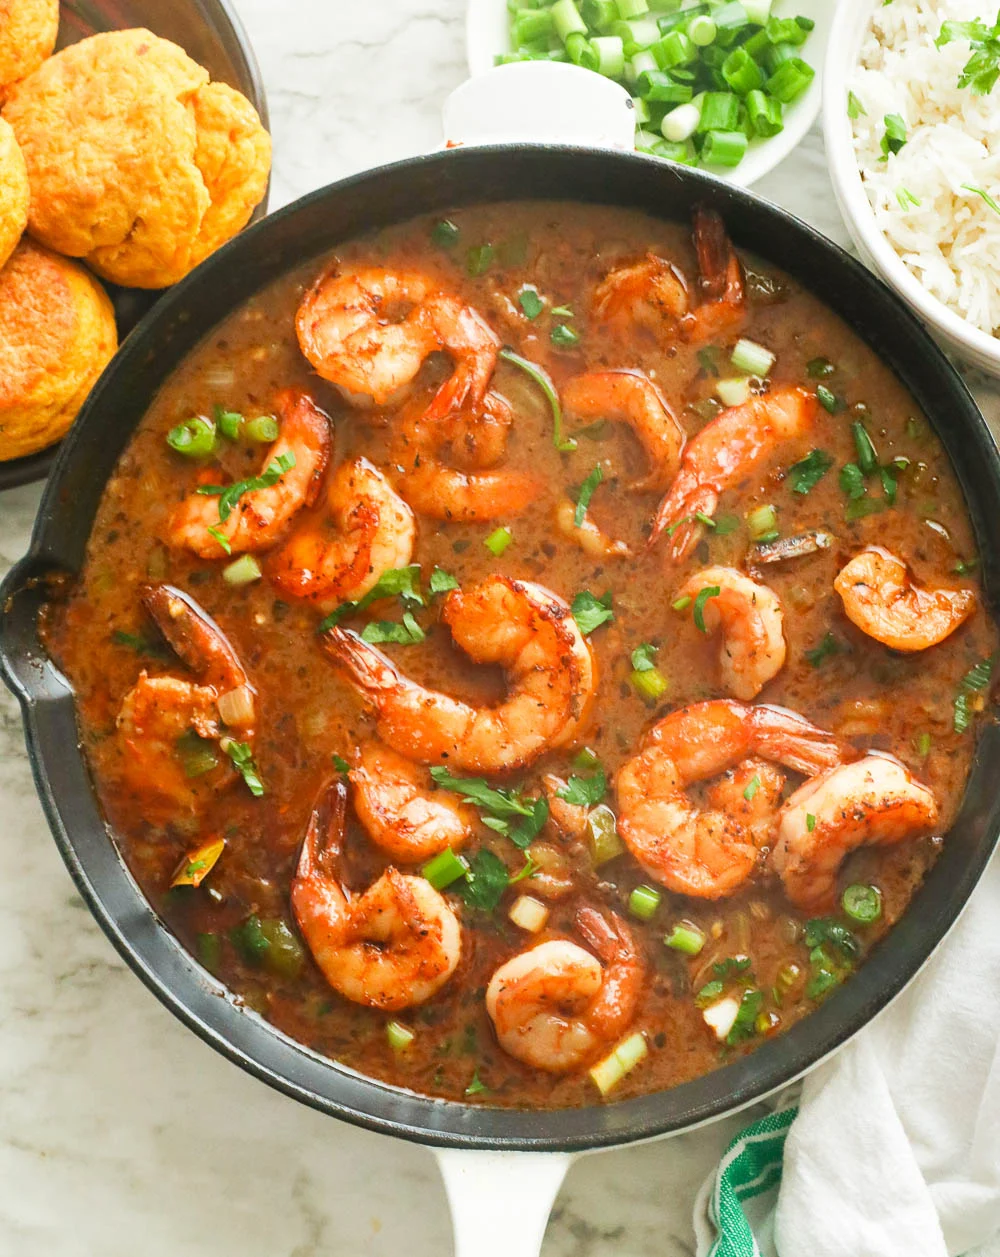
211, 33
304, 230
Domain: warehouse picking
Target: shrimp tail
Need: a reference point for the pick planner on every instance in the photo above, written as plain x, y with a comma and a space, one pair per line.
302, 417
194, 636
324, 837
373, 672
677, 516
787, 738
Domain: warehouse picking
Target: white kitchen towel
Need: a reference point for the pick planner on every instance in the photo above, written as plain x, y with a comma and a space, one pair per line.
895, 1151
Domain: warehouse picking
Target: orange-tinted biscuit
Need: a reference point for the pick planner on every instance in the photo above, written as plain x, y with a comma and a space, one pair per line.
137, 163
28, 30
57, 333
13, 192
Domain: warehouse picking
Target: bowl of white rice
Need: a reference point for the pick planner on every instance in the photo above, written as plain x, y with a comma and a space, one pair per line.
911, 114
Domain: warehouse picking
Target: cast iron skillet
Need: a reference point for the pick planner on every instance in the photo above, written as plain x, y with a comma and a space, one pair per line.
308, 228
211, 33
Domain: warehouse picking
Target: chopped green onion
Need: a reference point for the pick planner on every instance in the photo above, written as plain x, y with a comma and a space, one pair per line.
195, 438
686, 938
229, 423
446, 867
229, 495
679, 124
650, 683
709, 591
906, 199
674, 49
586, 758
924, 744
761, 522
733, 392
242, 571
855, 109
682, 604
750, 791
702, 518
867, 456
209, 951
752, 358
827, 647
741, 72
720, 111
479, 259
498, 541
765, 114
608, 1073
643, 902
264, 429
563, 336
790, 79
862, 903
221, 538
400, 1037
828, 399
863, 507
567, 20
564, 444
631, 8
975, 680
445, 234
602, 835
724, 148
702, 30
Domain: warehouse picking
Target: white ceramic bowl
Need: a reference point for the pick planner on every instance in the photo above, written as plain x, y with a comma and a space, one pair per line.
954, 332
487, 34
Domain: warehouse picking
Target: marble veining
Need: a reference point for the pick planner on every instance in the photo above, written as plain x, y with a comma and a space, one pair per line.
120, 1132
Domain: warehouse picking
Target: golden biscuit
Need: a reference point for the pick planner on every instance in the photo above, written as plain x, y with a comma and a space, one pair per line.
57, 333
137, 163
28, 30
13, 192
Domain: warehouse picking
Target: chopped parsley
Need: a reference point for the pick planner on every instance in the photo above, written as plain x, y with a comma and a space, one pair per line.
806, 474
590, 612
530, 301
708, 591
397, 582
241, 755
485, 882
852, 481
644, 656
752, 787
441, 581
503, 810
855, 109
221, 538
585, 791
406, 632
586, 493
341, 765
827, 647
895, 135
982, 69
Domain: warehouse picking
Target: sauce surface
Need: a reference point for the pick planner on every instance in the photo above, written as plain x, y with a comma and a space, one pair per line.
310, 716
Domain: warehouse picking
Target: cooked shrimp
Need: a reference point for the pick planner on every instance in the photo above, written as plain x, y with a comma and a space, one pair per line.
752, 623
751, 794
160, 710
632, 398
654, 294
709, 853
568, 819
723, 454
401, 811
394, 945
370, 330
376, 531
260, 517
556, 1006
437, 488
516, 625
882, 599
873, 800
588, 535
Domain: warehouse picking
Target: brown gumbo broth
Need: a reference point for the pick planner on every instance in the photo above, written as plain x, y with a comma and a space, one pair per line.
239, 921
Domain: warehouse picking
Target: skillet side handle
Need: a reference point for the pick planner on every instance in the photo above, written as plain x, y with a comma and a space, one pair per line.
500, 1201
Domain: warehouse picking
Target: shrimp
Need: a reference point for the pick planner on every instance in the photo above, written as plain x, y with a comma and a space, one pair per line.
394, 945
710, 853
873, 800
376, 532
519, 626
631, 397
369, 331
588, 535
402, 814
882, 599
158, 711
752, 622
259, 517
555, 1006
441, 490
568, 820
725, 453
654, 294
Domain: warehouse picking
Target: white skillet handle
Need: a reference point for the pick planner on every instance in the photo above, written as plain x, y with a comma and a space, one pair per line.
500, 1201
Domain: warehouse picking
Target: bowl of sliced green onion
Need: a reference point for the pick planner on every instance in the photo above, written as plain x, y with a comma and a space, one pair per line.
730, 86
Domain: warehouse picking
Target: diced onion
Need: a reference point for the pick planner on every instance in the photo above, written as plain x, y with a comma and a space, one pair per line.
220, 376
721, 1015
528, 913
236, 707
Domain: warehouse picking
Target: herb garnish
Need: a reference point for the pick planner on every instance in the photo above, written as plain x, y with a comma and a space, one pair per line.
975, 681
586, 493
584, 791
982, 69
503, 810
806, 474
229, 495
397, 582
590, 612
242, 757
708, 591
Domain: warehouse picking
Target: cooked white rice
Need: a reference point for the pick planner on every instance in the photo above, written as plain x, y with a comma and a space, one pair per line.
951, 240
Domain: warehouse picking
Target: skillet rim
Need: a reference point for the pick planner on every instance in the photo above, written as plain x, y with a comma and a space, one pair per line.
447, 179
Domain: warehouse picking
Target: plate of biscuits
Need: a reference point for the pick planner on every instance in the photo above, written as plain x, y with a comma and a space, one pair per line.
133, 144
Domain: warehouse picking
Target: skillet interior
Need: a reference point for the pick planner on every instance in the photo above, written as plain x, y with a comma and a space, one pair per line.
313, 226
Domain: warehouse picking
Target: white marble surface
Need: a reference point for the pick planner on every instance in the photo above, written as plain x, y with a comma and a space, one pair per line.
121, 1133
